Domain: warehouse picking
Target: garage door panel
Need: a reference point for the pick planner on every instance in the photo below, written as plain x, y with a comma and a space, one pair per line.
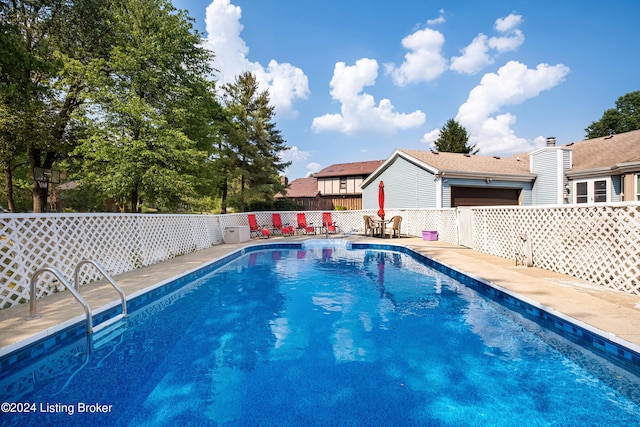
475, 196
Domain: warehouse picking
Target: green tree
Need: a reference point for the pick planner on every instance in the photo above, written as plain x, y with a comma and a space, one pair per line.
453, 139
624, 118
248, 156
45, 47
149, 130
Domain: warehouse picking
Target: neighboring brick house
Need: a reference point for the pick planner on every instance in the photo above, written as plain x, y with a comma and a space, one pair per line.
334, 187
598, 170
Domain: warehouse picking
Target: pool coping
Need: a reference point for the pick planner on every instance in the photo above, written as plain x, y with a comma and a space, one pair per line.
585, 334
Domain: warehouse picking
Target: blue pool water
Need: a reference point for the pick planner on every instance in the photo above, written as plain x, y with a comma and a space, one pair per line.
324, 336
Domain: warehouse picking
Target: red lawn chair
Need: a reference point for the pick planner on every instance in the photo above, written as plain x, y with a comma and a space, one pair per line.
302, 224
255, 230
328, 223
277, 225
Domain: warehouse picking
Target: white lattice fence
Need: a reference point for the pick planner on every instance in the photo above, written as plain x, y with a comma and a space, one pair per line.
120, 242
597, 243
413, 220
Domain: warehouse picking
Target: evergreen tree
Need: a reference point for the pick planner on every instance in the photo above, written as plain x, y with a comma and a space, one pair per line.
453, 139
249, 151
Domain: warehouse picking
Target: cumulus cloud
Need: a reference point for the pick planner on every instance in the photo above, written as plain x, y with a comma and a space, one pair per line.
294, 154
359, 112
513, 84
423, 62
430, 137
483, 49
508, 23
285, 82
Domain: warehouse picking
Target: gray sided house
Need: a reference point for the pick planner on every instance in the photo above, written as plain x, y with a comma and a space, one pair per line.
428, 179
599, 170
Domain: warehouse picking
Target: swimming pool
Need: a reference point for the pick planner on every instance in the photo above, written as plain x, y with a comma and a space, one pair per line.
291, 335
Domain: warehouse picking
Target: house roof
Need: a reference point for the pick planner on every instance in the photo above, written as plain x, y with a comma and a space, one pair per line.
605, 153
349, 169
471, 163
459, 165
301, 187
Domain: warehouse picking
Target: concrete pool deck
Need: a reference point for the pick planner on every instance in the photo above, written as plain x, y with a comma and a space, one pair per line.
613, 312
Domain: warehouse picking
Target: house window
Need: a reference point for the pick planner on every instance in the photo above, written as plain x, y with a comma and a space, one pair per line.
600, 191
343, 184
638, 187
592, 191
581, 192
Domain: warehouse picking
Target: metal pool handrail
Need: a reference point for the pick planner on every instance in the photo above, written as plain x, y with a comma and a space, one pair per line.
106, 275
32, 295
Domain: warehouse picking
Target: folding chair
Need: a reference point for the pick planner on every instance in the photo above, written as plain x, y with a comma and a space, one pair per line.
255, 230
285, 230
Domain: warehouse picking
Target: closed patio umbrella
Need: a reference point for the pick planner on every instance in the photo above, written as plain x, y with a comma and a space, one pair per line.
381, 200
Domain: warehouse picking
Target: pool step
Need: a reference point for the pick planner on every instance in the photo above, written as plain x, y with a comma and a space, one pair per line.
108, 330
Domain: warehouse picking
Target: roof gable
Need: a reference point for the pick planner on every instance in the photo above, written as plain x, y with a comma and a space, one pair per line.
461, 165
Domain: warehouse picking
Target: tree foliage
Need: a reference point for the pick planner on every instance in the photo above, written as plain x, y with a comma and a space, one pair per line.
45, 48
141, 144
624, 118
249, 150
117, 95
453, 139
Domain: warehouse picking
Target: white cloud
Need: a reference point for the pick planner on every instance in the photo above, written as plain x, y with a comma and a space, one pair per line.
474, 57
313, 168
294, 154
285, 82
358, 112
507, 43
430, 137
423, 62
483, 49
539, 142
507, 23
513, 84
439, 20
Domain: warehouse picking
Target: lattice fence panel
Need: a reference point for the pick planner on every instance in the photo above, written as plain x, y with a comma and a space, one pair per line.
119, 242
597, 243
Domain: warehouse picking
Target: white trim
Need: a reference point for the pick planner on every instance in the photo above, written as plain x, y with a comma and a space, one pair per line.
560, 177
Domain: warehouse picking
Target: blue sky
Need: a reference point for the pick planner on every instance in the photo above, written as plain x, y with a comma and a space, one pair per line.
352, 80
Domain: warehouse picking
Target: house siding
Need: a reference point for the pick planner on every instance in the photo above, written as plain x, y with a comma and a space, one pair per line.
616, 191
547, 164
406, 186
331, 186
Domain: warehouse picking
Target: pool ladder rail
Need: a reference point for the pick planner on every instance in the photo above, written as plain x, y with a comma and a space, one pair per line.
76, 294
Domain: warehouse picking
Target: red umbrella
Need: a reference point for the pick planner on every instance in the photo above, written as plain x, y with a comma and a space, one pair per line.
381, 200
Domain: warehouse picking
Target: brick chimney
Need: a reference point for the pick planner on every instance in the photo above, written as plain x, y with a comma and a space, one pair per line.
284, 181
